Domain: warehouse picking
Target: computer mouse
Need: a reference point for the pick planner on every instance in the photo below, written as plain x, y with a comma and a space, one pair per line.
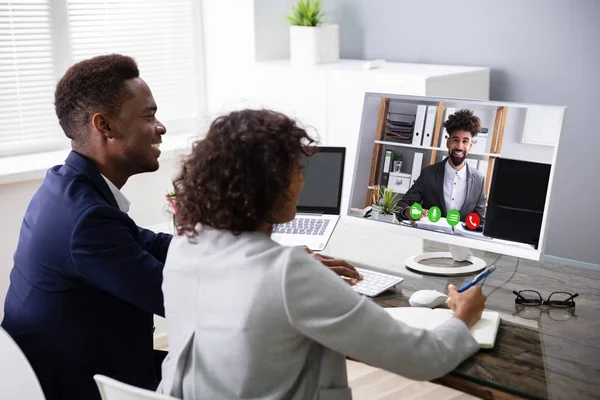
427, 298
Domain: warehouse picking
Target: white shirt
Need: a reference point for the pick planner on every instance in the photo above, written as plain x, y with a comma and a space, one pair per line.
120, 198
455, 187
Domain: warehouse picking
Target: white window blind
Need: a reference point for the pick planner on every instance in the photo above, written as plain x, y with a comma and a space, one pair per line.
27, 78
40, 38
159, 35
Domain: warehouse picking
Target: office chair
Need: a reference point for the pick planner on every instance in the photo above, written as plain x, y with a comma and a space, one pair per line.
17, 379
112, 389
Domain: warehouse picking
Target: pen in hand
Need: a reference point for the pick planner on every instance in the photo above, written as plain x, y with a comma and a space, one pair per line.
477, 279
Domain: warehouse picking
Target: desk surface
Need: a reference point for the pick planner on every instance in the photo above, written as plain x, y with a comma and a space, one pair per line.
539, 352
553, 355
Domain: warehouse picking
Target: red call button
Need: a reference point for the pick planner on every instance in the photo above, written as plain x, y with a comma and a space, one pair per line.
473, 221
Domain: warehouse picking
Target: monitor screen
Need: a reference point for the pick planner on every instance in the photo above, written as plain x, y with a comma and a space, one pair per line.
466, 172
323, 175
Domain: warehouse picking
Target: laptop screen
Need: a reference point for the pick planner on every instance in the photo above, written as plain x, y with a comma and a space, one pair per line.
323, 177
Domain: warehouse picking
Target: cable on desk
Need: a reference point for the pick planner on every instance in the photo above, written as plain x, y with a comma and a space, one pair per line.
495, 261
509, 278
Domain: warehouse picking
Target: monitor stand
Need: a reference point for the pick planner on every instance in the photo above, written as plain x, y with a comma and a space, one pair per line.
456, 254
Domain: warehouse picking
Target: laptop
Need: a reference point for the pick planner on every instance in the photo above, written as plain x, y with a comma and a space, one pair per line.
318, 208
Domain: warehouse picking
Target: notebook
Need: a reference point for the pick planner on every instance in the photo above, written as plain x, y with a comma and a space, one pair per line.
484, 331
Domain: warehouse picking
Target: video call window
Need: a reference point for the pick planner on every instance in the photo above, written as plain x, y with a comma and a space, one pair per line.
476, 169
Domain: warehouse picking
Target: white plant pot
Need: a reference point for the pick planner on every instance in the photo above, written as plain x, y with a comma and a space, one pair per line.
311, 45
385, 218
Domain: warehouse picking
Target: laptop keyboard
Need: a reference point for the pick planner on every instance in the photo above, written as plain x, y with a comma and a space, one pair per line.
303, 226
374, 283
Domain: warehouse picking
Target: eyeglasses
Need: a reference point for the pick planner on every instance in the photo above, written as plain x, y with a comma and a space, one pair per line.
554, 313
534, 298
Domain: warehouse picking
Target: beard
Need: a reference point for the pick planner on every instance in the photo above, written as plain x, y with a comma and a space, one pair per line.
457, 159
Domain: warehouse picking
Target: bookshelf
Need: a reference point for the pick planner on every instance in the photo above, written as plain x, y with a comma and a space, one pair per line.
493, 147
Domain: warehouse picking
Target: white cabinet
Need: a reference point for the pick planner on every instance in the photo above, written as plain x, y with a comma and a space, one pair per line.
329, 98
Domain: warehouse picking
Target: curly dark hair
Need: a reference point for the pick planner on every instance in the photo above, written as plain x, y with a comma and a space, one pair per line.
239, 174
89, 86
463, 120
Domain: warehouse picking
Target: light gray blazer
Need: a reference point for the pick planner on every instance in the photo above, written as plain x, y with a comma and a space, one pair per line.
250, 319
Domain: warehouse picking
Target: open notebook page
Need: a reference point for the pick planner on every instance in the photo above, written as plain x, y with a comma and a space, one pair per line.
484, 331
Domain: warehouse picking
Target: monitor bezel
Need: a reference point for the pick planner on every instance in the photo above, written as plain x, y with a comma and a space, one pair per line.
497, 246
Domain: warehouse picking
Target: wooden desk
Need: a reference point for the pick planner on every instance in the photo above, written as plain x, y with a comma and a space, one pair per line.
539, 352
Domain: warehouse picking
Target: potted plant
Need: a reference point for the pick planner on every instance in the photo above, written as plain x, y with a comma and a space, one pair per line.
311, 40
397, 162
384, 204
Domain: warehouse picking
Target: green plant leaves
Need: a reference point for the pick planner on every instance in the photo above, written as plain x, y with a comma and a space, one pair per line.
306, 13
387, 202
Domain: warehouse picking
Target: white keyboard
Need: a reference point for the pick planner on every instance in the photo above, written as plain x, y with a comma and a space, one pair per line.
303, 226
374, 283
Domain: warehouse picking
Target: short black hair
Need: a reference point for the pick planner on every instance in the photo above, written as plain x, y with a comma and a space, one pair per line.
89, 86
463, 120
239, 174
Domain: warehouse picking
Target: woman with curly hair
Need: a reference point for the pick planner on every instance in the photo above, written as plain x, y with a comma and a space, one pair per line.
249, 318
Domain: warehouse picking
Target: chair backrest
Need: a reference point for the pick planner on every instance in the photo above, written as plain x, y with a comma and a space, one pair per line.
17, 379
112, 389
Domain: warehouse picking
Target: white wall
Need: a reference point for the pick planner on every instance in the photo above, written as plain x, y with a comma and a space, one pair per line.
271, 29
229, 51
14, 199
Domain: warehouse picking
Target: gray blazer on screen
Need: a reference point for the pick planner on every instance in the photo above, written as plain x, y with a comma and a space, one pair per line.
250, 319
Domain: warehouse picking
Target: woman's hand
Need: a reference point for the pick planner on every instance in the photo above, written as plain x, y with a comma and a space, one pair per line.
340, 267
468, 305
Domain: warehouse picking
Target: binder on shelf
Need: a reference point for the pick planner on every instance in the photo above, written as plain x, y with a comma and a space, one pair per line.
387, 165
444, 136
429, 126
416, 167
417, 138
480, 143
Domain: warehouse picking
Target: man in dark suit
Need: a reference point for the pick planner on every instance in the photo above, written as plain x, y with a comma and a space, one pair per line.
86, 280
451, 184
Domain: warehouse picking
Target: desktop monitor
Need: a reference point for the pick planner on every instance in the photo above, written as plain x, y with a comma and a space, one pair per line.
472, 174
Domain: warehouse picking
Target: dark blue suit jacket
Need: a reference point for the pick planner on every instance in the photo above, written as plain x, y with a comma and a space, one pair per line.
85, 284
